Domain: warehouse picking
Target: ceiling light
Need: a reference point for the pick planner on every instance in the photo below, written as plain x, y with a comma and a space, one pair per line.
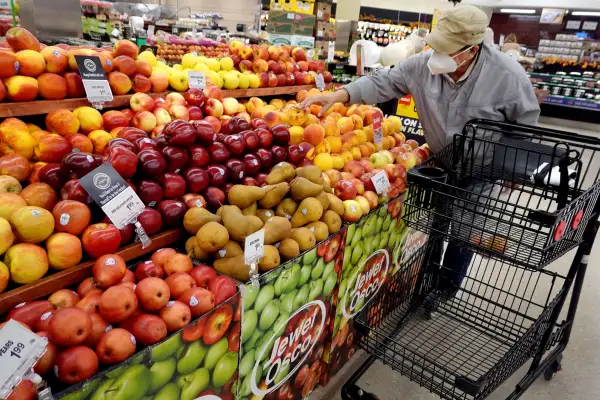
516, 11
586, 13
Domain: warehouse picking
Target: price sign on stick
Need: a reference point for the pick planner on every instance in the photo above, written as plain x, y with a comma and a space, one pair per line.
381, 182
320, 82
19, 351
116, 198
197, 79
254, 247
97, 89
378, 133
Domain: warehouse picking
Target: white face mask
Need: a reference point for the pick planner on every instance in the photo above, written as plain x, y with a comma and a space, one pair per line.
443, 63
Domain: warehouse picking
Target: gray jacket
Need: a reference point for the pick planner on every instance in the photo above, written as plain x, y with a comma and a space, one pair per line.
497, 88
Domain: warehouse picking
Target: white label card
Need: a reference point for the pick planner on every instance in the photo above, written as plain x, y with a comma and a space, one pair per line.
254, 247
377, 131
97, 91
197, 79
381, 182
19, 351
124, 208
320, 82
150, 30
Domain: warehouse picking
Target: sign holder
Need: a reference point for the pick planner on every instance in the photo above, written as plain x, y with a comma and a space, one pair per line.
97, 89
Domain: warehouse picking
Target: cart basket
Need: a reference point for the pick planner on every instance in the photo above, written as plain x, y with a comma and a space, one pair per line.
519, 193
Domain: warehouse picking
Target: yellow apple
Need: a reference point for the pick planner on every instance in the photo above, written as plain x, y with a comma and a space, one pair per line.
179, 81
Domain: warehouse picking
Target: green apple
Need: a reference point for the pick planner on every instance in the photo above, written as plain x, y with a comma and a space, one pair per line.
247, 363
192, 384
368, 227
225, 368
251, 343
169, 392
191, 357
356, 237
382, 211
246, 387
287, 301
269, 315
290, 278
131, 384
310, 257
85, 391
215, 352
357, 252
317, 271
161, 372
301, 297
386, 223
329, 284
250, 319
265, 295
376, 241
316, 288
367, 245
379, 224
383, 242
305, 272
329, 269
350, 233
249, 296
265, 344
167, 348
277, 285
342, 290
347, 256
100, 393
281, 323
115, 373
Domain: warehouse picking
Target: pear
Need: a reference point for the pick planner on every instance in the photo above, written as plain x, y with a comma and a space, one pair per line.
309, 210
282, 172
239, 225
270, 259
212, 237
304, 237
264, 214
231, 249
302, 188
336, 204
274, 194
310, 172
242, 195
194, 251
277, 229
234, 267
324, 199
196, 217
250, 210
288, 249
286, 208
332, 220
320, 230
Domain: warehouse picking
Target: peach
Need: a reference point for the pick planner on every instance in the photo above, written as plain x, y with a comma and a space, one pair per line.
52, 148
272, 118
159, 81
9, 203
357, 121
40, 195
296, 117
71, 57
52, 86
89, 119
8, 64
21, 88
330, 127
314, 134
119, 83
31, 63
99, 139
143, 67
125, 65
64, 250
141, 102
74, 85
345, 125
107, 62
125, 48
56, 59
113, 119
62, 122
144, 120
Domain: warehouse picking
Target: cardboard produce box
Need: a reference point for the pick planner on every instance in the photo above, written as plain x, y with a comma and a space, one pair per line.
323, 11
307, 42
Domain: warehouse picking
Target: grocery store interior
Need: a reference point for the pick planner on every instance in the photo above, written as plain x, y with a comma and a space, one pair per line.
299, 199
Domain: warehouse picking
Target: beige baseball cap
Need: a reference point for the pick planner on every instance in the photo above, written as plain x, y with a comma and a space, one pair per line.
459, 27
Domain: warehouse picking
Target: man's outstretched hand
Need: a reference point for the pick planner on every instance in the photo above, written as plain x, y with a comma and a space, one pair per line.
326, 100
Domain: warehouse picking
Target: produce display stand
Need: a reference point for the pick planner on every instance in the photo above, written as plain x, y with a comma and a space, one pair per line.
462, 338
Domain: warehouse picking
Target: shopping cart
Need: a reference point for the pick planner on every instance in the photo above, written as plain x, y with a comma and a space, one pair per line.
521, 197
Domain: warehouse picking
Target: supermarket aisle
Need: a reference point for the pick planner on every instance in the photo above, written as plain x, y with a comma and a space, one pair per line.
579, 379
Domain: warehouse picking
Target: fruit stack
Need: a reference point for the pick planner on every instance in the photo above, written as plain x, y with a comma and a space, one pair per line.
117, 311
295, 208
174, 52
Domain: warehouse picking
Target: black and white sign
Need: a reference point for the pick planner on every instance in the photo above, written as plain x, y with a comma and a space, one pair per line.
197, 79
110, 191
19, 351
254, 247
381, 182
94, 80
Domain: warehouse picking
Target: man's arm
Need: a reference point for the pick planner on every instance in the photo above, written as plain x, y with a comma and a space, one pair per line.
523, 107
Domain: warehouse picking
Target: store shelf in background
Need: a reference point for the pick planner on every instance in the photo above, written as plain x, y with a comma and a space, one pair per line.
41, 107
73, 276
573, 102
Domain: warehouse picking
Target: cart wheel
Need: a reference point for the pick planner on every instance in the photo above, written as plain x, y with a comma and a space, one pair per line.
555, 367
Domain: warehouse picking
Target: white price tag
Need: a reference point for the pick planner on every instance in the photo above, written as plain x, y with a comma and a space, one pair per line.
381, 182
254, 247
19, 351
150, 30
124, 208
197, 79
194, 33
331, 52
377, 131
320, 82
142, 235
97, 91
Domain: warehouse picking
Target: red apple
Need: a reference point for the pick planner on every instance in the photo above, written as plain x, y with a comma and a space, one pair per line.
265, 138
150, 192
173, 185
218, 174
180, 133
123, 160
176, 157
148, 269
219, 152
252, 164
202, 275
172, 212
205, 132
151, 163
151, 221
223, 288
215, 198
194, 97
99, 239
